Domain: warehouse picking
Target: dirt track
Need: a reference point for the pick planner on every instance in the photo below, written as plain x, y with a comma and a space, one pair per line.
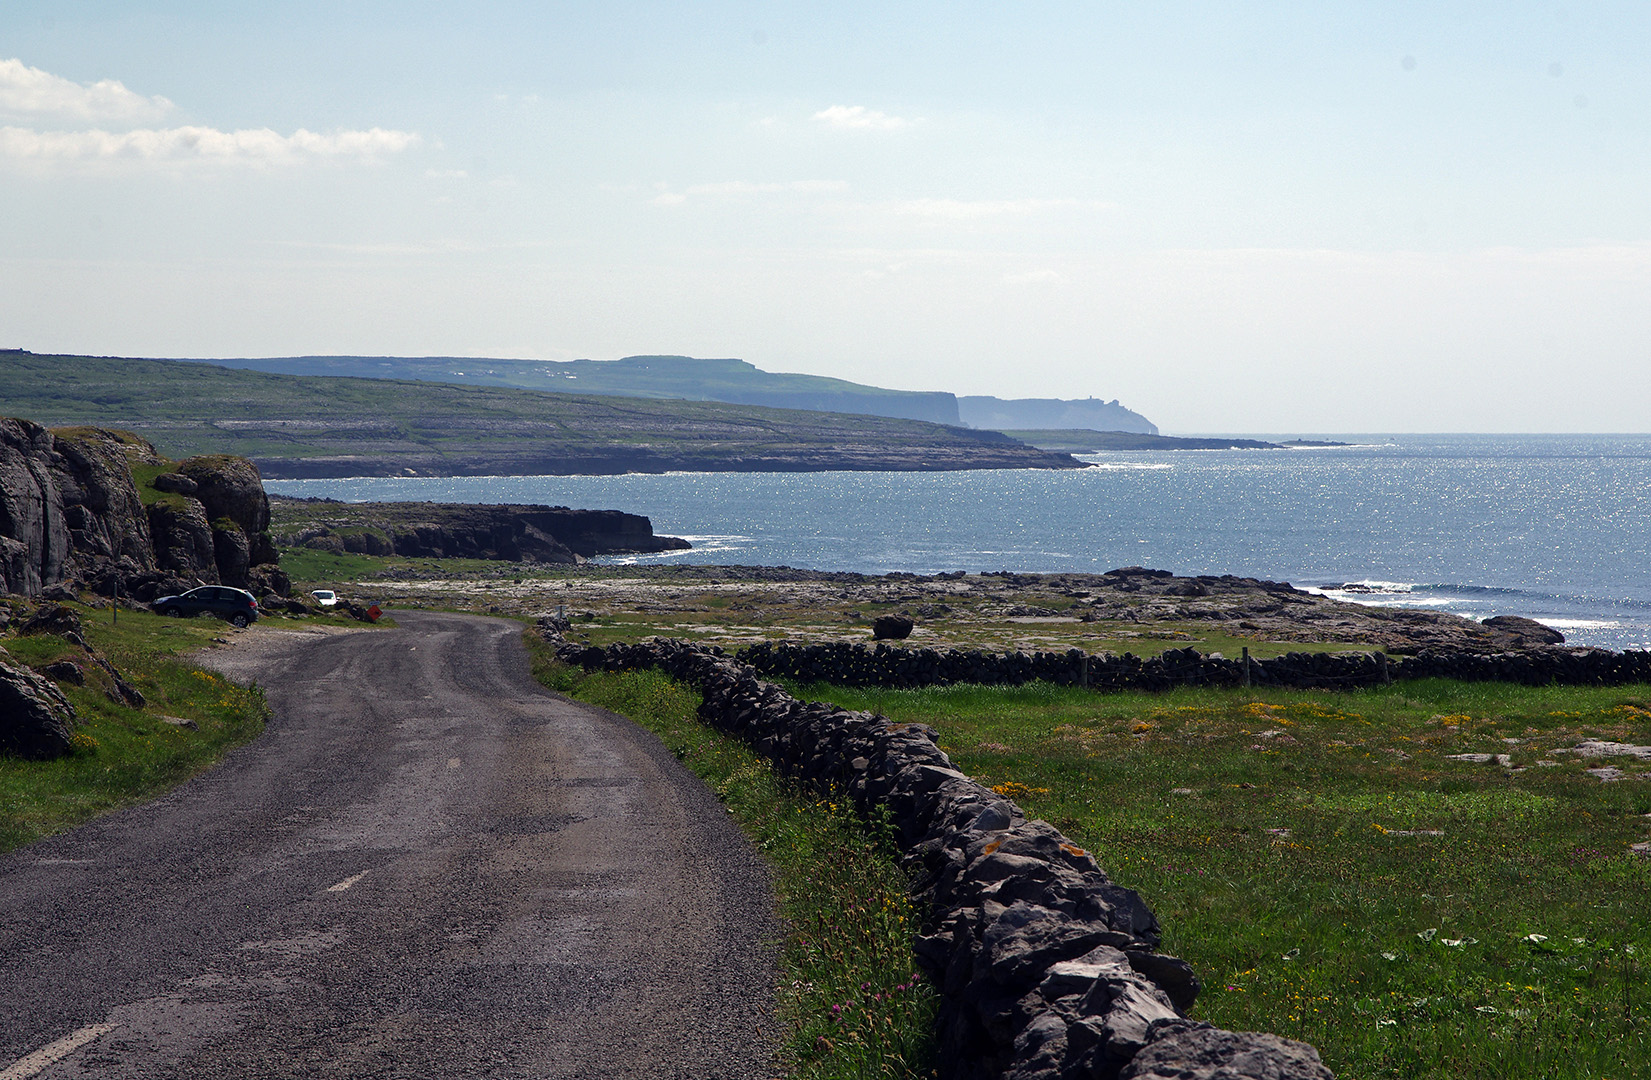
428, 866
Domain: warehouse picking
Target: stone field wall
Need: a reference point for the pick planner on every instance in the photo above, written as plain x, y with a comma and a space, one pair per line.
1046, 968
860, 664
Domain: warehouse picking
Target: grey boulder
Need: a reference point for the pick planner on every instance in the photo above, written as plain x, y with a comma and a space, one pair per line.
36, 720
1189, 1050
891, 627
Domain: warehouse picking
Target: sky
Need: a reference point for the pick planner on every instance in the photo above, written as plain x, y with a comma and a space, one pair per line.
1263, 217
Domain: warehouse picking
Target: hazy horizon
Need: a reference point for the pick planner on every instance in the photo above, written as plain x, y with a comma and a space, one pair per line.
1283, 218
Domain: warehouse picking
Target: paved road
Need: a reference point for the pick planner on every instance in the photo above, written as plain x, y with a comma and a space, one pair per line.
428, 866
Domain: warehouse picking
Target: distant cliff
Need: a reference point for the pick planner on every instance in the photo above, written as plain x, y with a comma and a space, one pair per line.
1083, 441
71, 511
1042, 414
735, 382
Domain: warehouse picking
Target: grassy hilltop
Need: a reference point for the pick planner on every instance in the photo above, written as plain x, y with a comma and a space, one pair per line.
735, 382
313, 426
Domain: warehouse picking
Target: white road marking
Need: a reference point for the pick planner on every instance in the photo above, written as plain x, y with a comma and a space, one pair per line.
340, 887
50, 1055
452, 763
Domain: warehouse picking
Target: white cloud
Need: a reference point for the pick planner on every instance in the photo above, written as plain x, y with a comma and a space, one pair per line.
738, 188
1035, 277
433, 247
746, 187
858, 116
969, 209
27, 91
40, 95
253, 146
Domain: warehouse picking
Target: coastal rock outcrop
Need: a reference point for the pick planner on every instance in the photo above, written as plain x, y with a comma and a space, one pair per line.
1522, 632
229, 487
101, 507
516, 533
183, 538
34, 542
71, 514
231, 496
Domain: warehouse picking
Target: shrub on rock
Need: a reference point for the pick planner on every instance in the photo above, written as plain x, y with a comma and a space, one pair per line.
52, 619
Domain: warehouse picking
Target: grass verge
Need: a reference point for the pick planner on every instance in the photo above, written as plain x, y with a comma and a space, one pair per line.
1335, 875
124, 755
849, 992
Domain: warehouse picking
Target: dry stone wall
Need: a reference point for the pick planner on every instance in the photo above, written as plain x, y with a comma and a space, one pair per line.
1046, 967
859, 664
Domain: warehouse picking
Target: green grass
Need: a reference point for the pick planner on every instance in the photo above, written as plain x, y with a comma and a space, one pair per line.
309, 566
143, 478
644, 377
848, 995
734, 620
124, 755
1300, 875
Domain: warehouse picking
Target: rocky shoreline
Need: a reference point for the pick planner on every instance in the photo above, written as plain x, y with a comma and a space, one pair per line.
509, 532
1129, 609
570, 460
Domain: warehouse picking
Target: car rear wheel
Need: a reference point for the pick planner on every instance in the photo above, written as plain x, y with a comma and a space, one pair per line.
238, 620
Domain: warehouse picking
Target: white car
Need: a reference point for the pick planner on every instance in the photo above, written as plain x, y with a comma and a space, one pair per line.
325, 597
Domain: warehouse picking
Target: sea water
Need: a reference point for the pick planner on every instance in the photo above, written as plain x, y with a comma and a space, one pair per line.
1554, 527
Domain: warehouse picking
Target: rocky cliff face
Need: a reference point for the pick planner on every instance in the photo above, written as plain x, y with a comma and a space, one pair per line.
101, 508
33, 542
1046, 413
70, 511
67, 507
